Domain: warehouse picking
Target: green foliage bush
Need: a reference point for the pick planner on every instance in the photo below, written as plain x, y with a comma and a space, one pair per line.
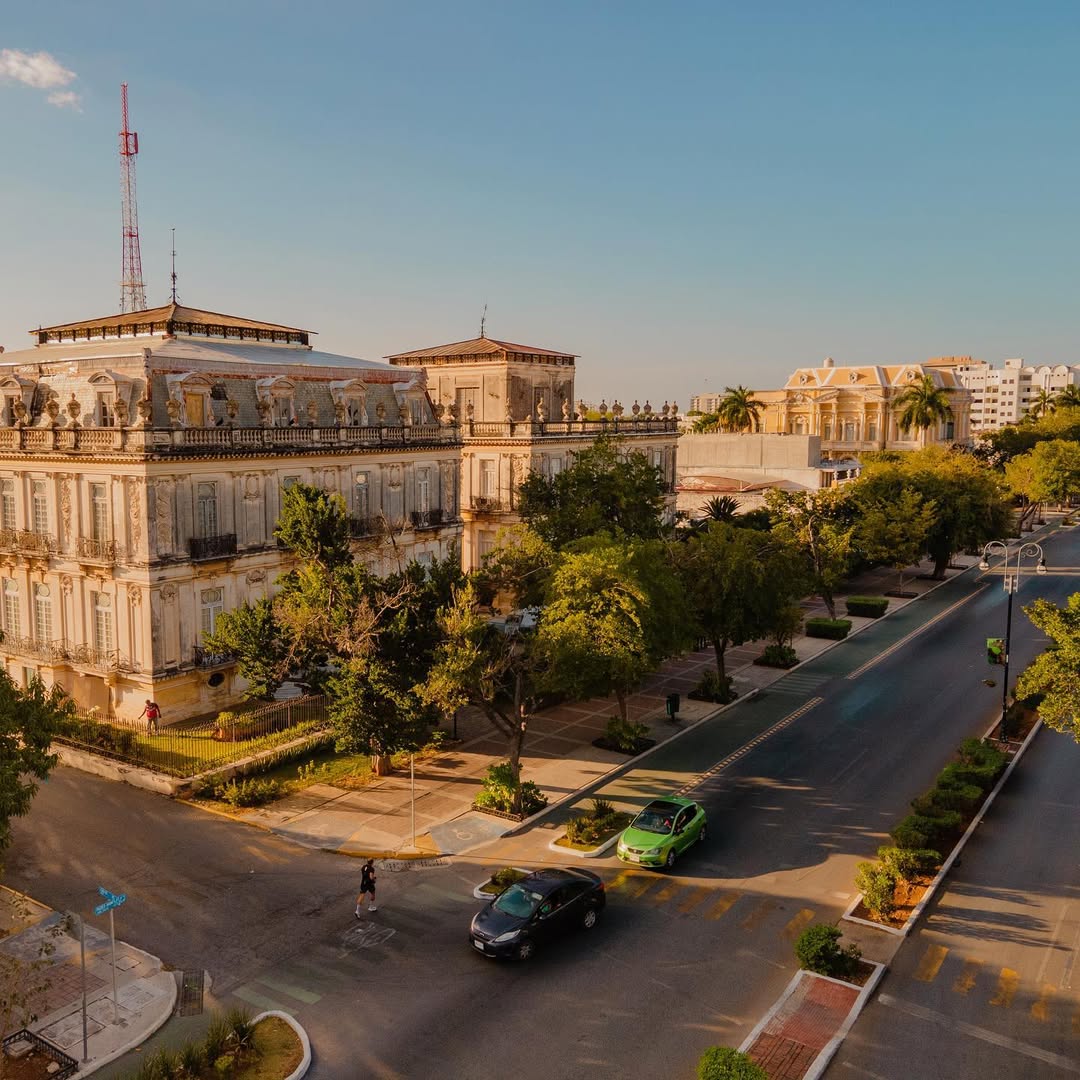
908, 864
506, 877
908, 835
781, 656
818, 950
978, 753
878, 886
625, 735
710, 689
962, 797
960, 775
589, 828
870, 607
724, 1063
834, 629
499, 787
247, 791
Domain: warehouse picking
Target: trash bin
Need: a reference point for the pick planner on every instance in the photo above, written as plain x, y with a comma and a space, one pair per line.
672, 706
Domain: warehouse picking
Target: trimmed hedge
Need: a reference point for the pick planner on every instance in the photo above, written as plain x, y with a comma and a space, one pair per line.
835, 629
870, 607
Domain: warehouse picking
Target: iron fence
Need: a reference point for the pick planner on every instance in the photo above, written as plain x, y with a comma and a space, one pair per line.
192, 747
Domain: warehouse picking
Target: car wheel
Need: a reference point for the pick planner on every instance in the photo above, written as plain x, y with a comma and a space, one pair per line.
669, 862
701, 835
526, 950
592, 917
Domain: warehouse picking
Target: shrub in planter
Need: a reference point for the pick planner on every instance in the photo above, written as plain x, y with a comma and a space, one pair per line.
710, 689
834, 629
781, 656
589, 827
878, 886
818, 950
908, 835
934, 828
724, 1063
249, 791
981, 755
959, 774
908, 864
506, 877
625, 735
499, 786
870, 607
962, 797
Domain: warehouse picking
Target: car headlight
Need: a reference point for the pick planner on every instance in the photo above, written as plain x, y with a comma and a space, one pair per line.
622, 845
653, 851
510, 935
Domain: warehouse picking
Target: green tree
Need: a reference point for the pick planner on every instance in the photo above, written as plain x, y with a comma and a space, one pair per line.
970, 503
819, 524
922, 405
1068, 398
487, 664
1001, 446
738, 409
1048, 473
724, 1063
720, 508
314, 524
705, 423
1055, 674
604, 489
28, 721
894, 532
252, 635
1044, 402
739, 585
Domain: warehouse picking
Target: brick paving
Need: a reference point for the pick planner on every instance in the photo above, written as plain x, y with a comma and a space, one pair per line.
787, 1046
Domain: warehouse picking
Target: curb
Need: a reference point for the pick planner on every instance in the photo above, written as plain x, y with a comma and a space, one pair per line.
157, 1025
821, 1062
302, 1035
947, 865
477, 894
592, 853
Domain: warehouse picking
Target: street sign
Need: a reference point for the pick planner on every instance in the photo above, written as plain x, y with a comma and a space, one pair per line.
112, 900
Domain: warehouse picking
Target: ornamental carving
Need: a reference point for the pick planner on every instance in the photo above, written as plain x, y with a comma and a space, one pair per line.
65, 509
52, 409
393, 476
135, 506
565, 409
164, 516
73, 410
134, 595
168, 594
145, 408
312, 411
252, 487
121, 412
65, 585
255, 577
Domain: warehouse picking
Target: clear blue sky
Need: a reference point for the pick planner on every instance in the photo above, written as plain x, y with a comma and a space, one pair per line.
686, 194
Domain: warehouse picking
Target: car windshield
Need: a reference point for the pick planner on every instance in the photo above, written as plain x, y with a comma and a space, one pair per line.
519, 901
653, 820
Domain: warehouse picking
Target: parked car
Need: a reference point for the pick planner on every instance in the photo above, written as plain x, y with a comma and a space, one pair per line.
662, 832
536, 910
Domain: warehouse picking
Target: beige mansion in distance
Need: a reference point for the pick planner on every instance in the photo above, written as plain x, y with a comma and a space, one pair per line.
143, 456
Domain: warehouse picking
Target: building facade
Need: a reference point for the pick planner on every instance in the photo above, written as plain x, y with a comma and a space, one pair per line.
1001, 396
853, 409
515, 407
142, 463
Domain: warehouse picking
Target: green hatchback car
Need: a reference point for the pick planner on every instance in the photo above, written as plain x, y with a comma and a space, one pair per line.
662, 832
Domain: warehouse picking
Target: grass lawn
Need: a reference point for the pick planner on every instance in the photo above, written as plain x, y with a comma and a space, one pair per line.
279, 1052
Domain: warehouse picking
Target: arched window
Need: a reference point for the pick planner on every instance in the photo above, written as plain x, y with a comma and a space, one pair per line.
43, 629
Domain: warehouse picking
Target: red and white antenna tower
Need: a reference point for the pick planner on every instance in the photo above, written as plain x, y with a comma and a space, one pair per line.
132, 289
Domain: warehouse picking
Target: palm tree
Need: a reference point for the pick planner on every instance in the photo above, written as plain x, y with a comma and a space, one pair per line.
922, 405
706, 422
1069, 397
738, 410
720, 508
1044, 403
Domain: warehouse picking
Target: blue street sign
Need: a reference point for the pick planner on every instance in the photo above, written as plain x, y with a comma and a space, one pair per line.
111, 900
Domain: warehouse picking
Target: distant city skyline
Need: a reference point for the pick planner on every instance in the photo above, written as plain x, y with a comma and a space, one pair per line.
688, 196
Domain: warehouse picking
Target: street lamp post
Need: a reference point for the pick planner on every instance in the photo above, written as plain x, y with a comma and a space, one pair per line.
1010, 582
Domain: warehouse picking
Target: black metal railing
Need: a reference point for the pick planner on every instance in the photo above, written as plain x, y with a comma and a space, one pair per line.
204, 658
59, 651
65, 1064
365, 526
426, 519
212, 547
487, 504
99, 551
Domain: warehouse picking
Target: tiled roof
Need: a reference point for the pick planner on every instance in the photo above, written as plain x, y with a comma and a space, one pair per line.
480, 346
174, 313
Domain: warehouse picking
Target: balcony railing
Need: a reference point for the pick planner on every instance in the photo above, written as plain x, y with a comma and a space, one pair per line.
487, 504
212, 547
554, 429
362, 527
65, 652
427, 519
97, 551
27, 542
203, 658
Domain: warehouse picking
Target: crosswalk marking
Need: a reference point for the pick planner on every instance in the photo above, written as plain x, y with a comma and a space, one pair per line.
298, 992
1007, 985
966, 979
666, 893
722, 905
693, 898
253, 998
617, 882
798, 924
1040, 1008
758, 915
639, 885
931, 962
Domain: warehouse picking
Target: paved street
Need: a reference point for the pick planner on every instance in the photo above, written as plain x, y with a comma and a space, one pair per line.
988, 984
693, 959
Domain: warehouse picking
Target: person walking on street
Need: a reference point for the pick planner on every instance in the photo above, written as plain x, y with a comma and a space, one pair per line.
152, 714
367, 886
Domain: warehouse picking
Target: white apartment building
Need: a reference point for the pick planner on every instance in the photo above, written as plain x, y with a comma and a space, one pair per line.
142, 461
1003, 396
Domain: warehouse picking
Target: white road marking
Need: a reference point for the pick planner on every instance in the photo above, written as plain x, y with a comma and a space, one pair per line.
1051, 947
984, 1034
364, 935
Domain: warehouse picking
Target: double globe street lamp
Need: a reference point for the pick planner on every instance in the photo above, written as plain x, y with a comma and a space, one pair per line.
1010, 582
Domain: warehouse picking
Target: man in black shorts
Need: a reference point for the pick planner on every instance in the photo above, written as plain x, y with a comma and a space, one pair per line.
367, 886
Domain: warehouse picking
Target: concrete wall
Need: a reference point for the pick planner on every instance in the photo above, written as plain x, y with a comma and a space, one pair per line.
718, 453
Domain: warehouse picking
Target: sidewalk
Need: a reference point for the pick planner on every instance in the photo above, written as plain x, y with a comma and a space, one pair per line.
559, 756
146, 995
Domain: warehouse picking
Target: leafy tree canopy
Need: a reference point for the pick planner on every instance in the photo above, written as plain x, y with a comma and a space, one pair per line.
999, 447
603, 489
1048, 473
1056, 672
893, 531
252, 634
922, 405
315, 525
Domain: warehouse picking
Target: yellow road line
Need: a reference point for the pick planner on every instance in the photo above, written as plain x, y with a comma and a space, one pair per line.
666, 893
1040, 1009
1008, 984
725, 903
758, 915
966, 979
797, 924
693, 898
931, 962
640, 884
617, 882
